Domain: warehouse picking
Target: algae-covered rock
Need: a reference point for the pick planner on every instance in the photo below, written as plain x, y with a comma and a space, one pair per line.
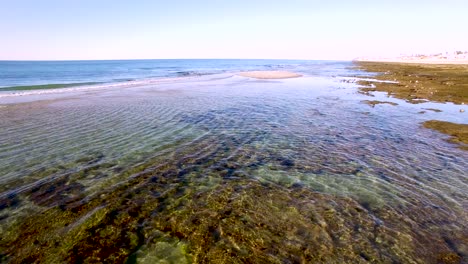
458, 132
161, 253
416, 83
373, 103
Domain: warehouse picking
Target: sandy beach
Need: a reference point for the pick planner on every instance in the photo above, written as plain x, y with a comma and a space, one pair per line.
270, 74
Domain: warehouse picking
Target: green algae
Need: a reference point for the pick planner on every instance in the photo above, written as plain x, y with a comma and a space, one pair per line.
458, 132
373, 103
213, 201
162, 253
162, 217
418, 82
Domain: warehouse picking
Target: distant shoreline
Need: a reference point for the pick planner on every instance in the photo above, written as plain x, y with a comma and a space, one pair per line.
420, 59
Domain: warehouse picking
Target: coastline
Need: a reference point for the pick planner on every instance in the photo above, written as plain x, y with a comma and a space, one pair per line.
415, 60
420, 83
36, 92
417, 83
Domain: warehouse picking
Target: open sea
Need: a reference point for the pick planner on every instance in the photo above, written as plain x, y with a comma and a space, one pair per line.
29, 75
184, 161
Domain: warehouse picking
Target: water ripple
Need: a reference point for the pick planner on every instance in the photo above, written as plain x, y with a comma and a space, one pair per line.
286, 135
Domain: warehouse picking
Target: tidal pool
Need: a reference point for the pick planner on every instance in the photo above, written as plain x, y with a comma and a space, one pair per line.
227, 169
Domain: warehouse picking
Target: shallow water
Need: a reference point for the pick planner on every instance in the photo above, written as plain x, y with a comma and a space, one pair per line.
224, 168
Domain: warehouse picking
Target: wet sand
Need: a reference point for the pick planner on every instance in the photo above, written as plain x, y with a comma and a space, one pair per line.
270, 74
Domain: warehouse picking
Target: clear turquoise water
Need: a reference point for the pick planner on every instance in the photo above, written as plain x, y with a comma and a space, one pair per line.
221, 168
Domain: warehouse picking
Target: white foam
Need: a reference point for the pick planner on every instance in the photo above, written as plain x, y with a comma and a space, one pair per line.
96, 86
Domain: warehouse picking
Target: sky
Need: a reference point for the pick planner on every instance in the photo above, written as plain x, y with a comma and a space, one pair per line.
241, 29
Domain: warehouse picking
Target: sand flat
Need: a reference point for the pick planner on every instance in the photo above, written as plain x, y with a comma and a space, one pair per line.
270, 74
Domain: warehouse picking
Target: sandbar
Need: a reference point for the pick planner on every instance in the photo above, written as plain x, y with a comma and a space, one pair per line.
270, 74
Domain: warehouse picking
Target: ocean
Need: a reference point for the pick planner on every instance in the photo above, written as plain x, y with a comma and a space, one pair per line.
32, 75
182, 161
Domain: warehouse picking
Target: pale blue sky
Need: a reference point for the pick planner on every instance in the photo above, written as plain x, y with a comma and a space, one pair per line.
293, 29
